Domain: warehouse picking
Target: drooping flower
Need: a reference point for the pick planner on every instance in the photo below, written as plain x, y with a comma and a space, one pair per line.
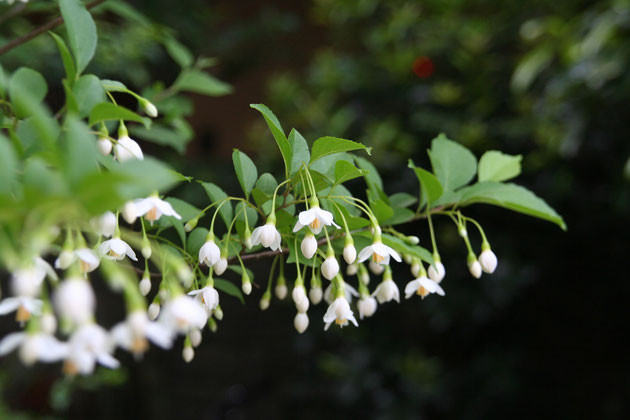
183, 313
88, 345
267, 235
330, 267
340, 313
75, 300
105, 225
208, 296
300, 322
475, 269
422, 286
126, 149
129, 212
349, 253
386, 291
315, 218
488, 260
152, 208
220, 266
366, 306
104, 146
209, 253
436, 270
309, 246
34, 347
134, 333
25, 284
349, 292
116, 249
379, 252
315, 294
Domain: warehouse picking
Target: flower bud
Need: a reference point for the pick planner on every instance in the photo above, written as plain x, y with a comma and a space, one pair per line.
302, 305
48, 323
376, 268
475, 269
129, 212
220, 266
153, 311
218, 313
145, 285
300, 322
330, 267
66, 258
436, 271
265, 300
191, 224
247, 238
104, 146
415, 268
188, 353
364, 277
75, 300
246, 283
309, 246
488, 261
413, 240
148, 107
281, 291
349, 253
462, 232
146, 249
352, 269
408, 258
366, 306
212, 325
298, 293
315, 295
195, 337
127, 149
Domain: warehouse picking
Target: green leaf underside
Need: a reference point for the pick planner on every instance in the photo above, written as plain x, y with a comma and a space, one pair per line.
246, 171
107, 111
431, 189
329, 145
497, 166
453, 164
404, 248
66, 57
215, 193
81, 31
28, 81
197, 81
278, 135
229, 288
299, 151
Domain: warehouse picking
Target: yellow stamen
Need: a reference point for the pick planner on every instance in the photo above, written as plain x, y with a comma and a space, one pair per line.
113, 254
139, 345
85, 267
315, 224
152, 214
422, 292
377, 258
70, 368
22, 314
339, 321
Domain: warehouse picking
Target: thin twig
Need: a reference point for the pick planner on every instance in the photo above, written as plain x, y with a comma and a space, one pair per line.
40, 30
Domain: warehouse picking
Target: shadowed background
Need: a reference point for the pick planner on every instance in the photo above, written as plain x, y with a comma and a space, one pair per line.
539, 338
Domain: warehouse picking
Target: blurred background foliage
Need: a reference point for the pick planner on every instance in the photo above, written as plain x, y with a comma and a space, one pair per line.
542, 337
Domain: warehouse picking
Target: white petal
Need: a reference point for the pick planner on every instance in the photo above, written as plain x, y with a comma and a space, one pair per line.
159, 335
256, 235
118, 246
307, 216
365, 253
130, 252
298, 226
107, 360
8, 305
10, 342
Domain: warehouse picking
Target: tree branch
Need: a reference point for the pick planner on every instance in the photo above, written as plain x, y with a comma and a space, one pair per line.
40, 30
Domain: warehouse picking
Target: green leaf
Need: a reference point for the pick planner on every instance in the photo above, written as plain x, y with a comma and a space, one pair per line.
71, 101
114, 86
215, 193
329, 145
30, 82
252, 218
79, 150
196, 239
497, 166
381, 210
345, 171
143, 177
512, 197
8, 165
178, 52
299, 151
196, 81
3, 83
81, 31
372, 177
431, 189
453, 164
66, 58
176, 138
229, 288
186, 210
402, 200
246, 171
278, 135
107, 111
88, 92
404, 248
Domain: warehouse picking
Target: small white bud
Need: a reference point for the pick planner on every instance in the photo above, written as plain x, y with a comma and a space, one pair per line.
298, 293
195, 337
300, 322
145, 285
246, 286
462, 232
364, 278
315, 295
264, 302
48, 323
281, 291
366, 306
475, 269
309, 246
220, 266
129, 213
150, 109
66, 258
415, 269
163, 294
104, 146
154, 311
302, 305
436, 272
376, 268
352, 269
146, 251
413, 240
488, 261
188, 354
408, 258
349, 253
330, 267
218, 313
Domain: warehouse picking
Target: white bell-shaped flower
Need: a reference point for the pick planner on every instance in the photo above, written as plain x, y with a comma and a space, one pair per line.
209, 253
309, 246
183, 313
387, 291
422, 286
340, 313
267, 235
34, 347
220, 266
366, 306
379, 252
126, 149
137, 330
488, 261
88, 345
75, 300
130, 212
105, 225
88, 260
315, 218
208, 296
152, 208
116, 249
330, 267
349, 293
